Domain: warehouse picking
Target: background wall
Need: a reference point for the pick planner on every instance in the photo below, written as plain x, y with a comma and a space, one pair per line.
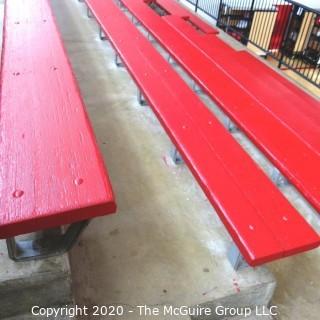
264, 3
311, 3
245, 4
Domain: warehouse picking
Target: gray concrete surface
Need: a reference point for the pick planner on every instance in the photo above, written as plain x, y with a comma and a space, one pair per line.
28, 284
166, 244
27, 316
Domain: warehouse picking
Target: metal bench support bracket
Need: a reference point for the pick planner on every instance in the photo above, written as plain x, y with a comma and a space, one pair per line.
89, 13
118, 61
142, 101
176, 156
196, 88
48, 243
278, 178
230, 125
102, 35
236, 259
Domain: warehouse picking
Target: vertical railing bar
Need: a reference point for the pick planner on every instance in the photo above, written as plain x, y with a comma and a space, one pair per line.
263, 37
196, 6
269, 9
255, 34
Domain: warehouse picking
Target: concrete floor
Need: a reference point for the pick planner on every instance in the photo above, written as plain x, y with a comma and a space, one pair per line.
166, 244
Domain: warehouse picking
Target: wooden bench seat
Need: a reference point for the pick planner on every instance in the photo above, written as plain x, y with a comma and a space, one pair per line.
52, 173
291, 140
259, 219
305, 102
242, 66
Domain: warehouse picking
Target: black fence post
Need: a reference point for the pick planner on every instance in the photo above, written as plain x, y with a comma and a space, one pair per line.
219, 12
196, 7
250, 21
285, 36
252, 5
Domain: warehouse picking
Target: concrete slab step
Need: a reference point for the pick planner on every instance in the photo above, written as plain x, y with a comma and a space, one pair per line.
30, 317
35, 283
253, 317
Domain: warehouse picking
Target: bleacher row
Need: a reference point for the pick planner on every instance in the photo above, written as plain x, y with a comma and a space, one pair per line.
279, 118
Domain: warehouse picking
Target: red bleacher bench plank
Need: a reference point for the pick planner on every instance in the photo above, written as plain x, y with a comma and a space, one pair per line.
260, 220
249, 60
177, 10
291, 144
51, 170
304, 115
256, 77
304, 101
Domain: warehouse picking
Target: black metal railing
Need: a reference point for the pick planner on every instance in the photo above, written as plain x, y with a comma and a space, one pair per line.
282, 29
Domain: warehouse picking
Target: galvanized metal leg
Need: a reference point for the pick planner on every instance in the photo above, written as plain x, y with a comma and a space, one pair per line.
135, 21
236, 259
142, 101
278, 178
117, 60
170, 59
102, 36
120, 4
150, 37
196, 88
230, 125
176, 156
52, 242
89, 13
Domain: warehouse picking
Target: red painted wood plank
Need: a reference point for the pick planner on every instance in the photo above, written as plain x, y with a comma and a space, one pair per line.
256, 77
252, 209
51, 170
294, 152
309, 104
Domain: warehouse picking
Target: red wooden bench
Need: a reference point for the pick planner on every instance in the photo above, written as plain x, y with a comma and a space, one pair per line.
52, 173
176, 10
305, 101
256, 76
259, 219
289, 139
